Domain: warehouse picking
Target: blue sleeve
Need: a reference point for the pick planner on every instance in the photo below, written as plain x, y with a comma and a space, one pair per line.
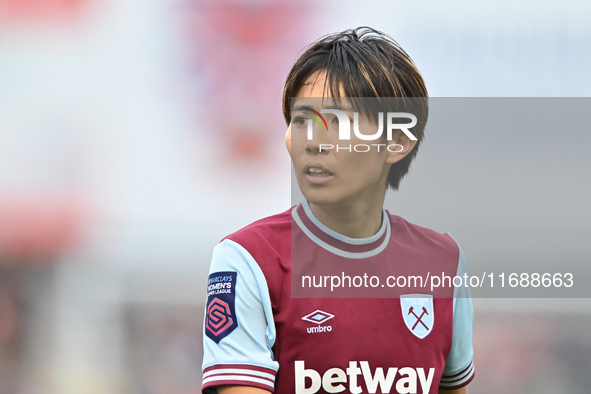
239, 331
459, 368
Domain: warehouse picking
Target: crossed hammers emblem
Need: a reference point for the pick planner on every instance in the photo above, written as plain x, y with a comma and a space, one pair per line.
419, 317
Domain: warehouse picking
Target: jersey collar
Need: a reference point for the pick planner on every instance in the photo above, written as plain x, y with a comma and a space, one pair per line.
341, 245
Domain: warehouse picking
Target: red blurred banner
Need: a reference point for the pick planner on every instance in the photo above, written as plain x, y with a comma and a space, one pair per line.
241, 52
37, 229
40, 10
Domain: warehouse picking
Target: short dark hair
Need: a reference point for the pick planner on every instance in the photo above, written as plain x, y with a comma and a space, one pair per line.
363, 62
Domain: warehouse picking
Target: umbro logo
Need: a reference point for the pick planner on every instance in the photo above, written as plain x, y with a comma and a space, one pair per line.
318, 317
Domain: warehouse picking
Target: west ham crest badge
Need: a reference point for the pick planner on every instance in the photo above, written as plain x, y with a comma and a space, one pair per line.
418, 313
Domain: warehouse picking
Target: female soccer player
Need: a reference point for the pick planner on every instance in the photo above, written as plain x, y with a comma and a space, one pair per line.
258, 337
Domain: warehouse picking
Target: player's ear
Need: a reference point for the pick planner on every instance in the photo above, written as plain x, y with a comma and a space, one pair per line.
399, 147
288, 139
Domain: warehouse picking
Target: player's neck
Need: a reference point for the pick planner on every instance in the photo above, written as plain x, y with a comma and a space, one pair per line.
362, 219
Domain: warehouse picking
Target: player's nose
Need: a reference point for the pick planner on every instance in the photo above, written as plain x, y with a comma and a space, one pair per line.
318, 142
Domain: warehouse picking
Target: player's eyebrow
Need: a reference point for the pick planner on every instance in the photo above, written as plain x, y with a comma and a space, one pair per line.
332, 106
300, 108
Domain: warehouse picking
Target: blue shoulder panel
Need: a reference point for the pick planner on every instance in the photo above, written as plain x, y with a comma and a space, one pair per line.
458, 367
239, 326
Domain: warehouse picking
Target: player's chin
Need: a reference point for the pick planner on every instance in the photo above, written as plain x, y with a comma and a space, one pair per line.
321, 196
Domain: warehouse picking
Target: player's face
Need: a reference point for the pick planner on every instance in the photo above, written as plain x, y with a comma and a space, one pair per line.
331, 178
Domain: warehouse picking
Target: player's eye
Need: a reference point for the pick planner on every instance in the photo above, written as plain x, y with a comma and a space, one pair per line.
299, 121
335, 120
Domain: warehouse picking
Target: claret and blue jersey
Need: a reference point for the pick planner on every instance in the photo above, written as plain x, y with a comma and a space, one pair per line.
258, 334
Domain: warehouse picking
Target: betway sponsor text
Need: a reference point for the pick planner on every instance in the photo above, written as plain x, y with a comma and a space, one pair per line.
336, 380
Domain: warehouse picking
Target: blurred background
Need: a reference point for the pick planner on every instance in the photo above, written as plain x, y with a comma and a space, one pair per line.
134, 135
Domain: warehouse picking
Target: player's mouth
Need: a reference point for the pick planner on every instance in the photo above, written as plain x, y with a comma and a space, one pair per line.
317, 173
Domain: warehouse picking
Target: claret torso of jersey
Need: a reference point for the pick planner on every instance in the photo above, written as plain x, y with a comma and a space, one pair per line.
322, 338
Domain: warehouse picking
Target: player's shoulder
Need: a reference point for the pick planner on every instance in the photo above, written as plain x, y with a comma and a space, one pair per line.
419, 234
269, 232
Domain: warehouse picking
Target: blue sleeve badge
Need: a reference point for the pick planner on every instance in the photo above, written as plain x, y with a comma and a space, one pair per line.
220, 319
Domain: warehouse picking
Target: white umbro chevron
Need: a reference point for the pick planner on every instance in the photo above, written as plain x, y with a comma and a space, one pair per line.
318, 317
